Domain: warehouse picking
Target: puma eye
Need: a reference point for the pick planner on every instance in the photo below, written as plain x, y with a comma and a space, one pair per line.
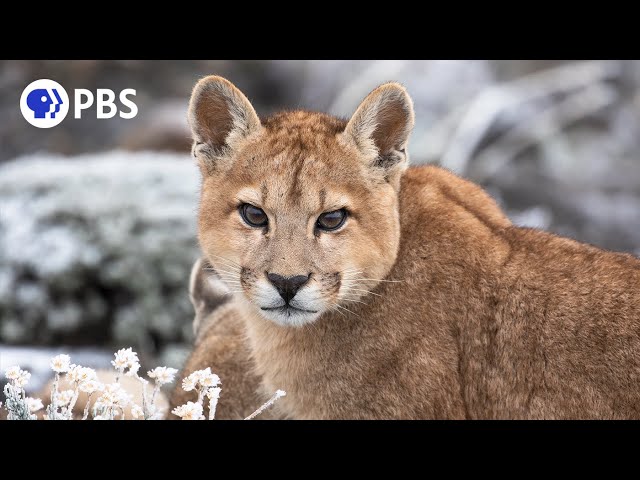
253, 216
330, 221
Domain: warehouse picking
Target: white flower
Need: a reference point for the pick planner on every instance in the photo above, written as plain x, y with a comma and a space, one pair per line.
12, 373
162, 375
136, 411
34, 404
209, 380
109, 396
87, 374
60, 363
91, 386
203, 377
125, 358
200, 374
81, 374
23, 379
18, 377
63, 398
113, 395
72, 372
189, 411
189, 383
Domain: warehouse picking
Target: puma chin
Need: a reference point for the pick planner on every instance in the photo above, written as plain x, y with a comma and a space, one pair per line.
298, 212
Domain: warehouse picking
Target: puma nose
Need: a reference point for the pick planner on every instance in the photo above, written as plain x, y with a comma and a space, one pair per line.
287, 286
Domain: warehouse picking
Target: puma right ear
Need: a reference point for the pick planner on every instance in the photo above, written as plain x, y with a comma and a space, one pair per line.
221, 117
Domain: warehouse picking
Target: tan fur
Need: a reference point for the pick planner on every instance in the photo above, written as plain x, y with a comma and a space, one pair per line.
481, 319
227, 355
220, 344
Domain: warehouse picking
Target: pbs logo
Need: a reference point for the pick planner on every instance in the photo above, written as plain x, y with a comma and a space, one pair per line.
44, 103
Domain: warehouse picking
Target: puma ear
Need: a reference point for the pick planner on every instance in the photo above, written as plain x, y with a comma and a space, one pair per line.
220, 117
381, 126
206, 292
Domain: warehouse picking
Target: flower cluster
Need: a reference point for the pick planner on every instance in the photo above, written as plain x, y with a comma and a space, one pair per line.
162, 375
63, 398
126, 358
189, 411
18, 404
200, 379
206, 384
112, 399
81, 379
19, 378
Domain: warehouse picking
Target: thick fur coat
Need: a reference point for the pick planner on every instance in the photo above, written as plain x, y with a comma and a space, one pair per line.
452, 311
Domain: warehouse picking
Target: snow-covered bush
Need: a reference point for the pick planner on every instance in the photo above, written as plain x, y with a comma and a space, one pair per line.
112, 398
97, 249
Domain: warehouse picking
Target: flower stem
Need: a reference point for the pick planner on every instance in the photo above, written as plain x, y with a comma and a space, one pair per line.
86, 407
271, 401
74, 399
52, 409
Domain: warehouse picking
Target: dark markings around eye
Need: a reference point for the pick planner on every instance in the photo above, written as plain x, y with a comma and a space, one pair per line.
323, 198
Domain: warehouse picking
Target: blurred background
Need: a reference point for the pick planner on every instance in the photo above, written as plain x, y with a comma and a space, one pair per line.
97, 217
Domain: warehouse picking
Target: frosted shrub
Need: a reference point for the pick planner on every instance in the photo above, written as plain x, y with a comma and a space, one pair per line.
206, 384
18, 404
111, 398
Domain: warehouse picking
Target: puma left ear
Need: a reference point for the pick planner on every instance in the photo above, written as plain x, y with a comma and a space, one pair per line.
381, 126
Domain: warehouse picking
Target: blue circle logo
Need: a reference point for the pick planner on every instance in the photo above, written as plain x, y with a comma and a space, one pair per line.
44, 103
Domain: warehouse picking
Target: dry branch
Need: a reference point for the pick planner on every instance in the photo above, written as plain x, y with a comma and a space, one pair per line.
485, 107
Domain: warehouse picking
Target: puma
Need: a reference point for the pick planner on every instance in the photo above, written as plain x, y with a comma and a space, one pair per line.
367, 289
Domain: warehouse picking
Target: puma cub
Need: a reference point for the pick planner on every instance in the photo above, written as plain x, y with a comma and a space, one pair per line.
367, 289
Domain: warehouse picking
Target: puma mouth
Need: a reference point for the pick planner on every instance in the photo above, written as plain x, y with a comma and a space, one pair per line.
287, 309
